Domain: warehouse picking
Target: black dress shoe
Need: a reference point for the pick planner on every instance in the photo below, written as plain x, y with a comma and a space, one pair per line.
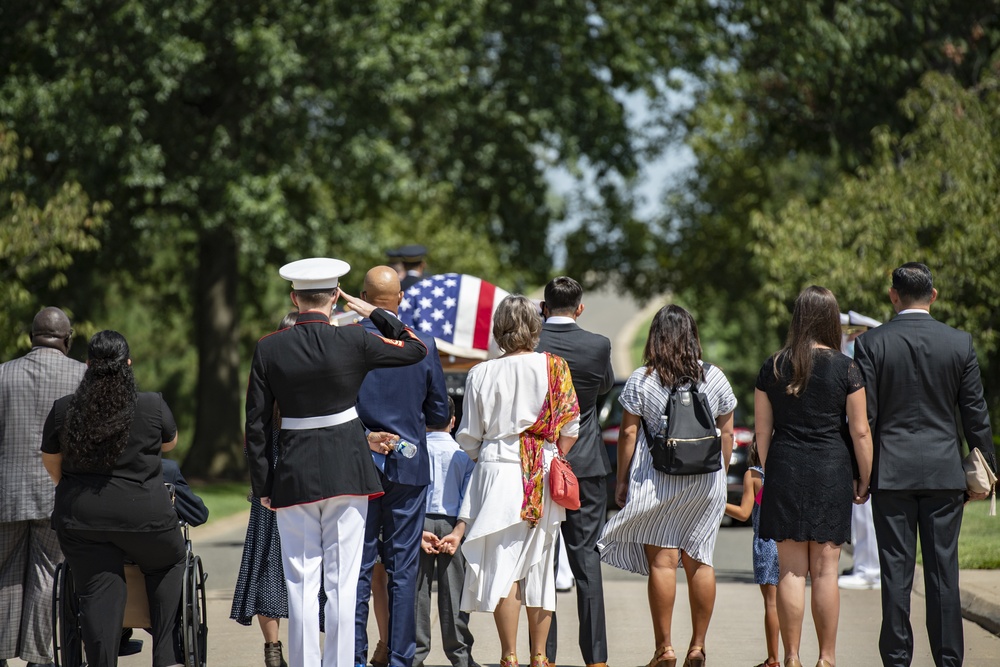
127, 645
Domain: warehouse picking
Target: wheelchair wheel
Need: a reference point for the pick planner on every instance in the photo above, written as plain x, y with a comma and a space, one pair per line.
193, 612
67, 644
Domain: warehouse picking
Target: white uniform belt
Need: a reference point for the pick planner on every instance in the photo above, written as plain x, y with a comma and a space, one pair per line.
306, 423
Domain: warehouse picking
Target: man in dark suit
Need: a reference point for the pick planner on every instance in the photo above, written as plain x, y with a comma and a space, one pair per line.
29, 549
401, 401
589, 358
920, 374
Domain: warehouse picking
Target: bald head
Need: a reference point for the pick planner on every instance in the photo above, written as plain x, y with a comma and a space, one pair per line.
51, 328
382, 288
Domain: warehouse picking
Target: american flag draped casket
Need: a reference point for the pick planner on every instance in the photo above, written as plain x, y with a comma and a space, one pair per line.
457, 310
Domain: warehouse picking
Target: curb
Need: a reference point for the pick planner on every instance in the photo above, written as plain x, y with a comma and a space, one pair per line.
984, 610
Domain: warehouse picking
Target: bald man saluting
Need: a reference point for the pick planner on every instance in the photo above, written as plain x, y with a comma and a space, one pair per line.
402, 401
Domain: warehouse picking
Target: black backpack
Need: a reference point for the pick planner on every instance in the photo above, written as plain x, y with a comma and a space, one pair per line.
690, 444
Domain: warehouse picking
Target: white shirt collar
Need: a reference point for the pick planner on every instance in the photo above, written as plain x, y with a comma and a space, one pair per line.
926, 311
560, 319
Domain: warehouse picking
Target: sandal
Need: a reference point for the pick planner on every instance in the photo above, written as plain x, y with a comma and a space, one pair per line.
773, 663
698, 661
660, 659
509, 661
539, 660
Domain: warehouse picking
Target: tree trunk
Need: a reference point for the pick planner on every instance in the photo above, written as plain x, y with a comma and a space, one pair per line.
217, 450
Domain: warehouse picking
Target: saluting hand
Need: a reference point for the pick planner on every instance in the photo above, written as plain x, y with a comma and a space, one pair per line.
359, 306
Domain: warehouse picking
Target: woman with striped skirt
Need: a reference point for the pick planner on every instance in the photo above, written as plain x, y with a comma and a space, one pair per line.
669, 517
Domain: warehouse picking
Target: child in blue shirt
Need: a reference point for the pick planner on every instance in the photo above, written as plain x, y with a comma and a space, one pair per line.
441, 558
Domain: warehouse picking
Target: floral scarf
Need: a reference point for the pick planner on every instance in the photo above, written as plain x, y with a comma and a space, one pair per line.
560, 407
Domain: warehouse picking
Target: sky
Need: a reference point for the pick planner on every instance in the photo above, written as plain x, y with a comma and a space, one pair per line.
655, 174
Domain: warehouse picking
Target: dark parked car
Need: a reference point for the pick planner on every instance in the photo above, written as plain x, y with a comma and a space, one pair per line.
609, 414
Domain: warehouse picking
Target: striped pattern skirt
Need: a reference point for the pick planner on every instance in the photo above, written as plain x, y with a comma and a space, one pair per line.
672, 511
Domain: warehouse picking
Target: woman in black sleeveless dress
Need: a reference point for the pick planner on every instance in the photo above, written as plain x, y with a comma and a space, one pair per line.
814, 442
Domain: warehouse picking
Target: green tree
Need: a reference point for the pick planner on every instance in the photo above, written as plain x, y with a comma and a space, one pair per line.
929, 195
231, 136
785, 97
38, 241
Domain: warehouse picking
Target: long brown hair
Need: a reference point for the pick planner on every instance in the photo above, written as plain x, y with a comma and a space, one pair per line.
673, 348
815, 320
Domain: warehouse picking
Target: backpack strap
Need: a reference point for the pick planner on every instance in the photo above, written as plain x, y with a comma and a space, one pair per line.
642, 421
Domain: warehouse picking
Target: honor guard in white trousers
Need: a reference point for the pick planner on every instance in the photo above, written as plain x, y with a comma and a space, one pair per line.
308, 376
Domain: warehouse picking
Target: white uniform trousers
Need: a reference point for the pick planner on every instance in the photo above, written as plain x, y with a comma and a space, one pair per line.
323, 539
865, 545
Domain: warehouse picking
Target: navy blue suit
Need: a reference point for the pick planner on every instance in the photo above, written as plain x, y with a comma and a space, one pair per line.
402, 401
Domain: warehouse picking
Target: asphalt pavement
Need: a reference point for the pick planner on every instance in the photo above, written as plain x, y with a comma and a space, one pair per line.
735, 636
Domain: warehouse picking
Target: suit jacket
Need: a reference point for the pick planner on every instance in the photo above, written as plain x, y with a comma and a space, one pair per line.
589, 358
313, 369
28, 388
403, 401
920, 376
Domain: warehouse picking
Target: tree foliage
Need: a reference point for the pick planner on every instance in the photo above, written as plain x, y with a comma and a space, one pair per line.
930, 195
786, 95
38, 241
230, 137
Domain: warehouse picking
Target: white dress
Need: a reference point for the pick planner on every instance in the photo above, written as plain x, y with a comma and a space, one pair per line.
676, 511
502, 399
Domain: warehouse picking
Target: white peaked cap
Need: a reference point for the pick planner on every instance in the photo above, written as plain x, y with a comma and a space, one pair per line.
858, 320
314, 273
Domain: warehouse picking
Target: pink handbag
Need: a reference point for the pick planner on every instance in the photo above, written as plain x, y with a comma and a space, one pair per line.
563, 486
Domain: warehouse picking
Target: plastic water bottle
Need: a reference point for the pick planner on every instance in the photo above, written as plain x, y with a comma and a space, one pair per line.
662, 431
406, 449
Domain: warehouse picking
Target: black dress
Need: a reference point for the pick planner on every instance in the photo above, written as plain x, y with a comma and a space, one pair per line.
810, 463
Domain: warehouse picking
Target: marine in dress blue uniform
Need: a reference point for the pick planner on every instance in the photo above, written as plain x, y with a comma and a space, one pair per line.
311, 373
402, 401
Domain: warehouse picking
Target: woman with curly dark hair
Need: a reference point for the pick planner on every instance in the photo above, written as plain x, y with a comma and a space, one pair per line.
102, 447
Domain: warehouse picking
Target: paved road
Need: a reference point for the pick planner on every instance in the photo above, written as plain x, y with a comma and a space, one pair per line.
735, 636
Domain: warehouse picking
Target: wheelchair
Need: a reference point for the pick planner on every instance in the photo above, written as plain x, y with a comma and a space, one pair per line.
191, 632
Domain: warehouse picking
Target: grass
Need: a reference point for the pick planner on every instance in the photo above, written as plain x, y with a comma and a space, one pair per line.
223, 498
979, 541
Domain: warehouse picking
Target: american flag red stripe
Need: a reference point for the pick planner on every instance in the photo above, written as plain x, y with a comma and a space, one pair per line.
484, 316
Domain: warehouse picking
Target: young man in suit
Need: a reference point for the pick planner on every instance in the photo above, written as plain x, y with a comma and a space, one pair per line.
920, 374
29, 549
589, 358
401, 401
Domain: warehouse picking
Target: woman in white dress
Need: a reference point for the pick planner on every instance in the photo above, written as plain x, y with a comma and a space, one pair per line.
666, 517
517, 409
